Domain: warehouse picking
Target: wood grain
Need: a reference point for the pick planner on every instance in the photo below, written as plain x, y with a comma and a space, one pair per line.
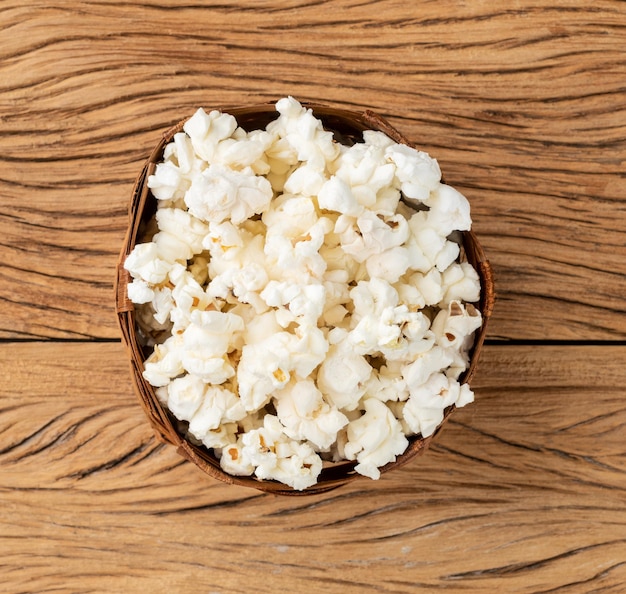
522, 492
522, 104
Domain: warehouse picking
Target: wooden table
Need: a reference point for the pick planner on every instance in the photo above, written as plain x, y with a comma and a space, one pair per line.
524, 105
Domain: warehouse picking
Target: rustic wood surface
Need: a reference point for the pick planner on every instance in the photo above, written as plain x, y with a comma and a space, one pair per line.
524, 105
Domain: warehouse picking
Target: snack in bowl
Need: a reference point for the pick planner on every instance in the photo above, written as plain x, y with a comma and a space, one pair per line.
302, 296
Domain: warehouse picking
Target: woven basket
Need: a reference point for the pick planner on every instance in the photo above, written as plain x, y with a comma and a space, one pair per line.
347, 127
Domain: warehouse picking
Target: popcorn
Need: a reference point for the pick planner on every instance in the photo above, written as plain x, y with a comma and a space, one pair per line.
221, 193
417, 373
375, 439
185, 395
428, 247
448, 210
172, 178
206, 342
274, 456
144, 263
460, 282
306, 416
304, 302
304, 299
139, 291
171, 223
336, 195
207, 130
342, 376
219, 406
424, 410
164, 363
417, 173
368, 234
454, 325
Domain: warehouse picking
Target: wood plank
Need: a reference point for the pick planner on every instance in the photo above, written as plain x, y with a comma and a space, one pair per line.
522, 105
522, 492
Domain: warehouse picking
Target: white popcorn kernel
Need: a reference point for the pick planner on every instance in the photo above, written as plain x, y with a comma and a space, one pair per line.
430, 285
224, 239
429, 362
224, 436
410, 295
301, 261
207, 130
364, 168
388, 202
171, 248
247, 282
260, 327
185, 395
465, 396
213, 370
219, 406
305, 133
167, 182
336, 259
290, 216
139, 291
206, 342
305, 415
162, 394
336, 195
428, 247
144, 263
305, 302
309, 348
417, 173
449, 210
372, 297
164, 363
172, 178
334, 315
184, 226
375, 439
342, 377
377, 138
186, 297
305, 181
460, 282
247, 151
389, 265
277, 457
454, 325
282, 159
387, 385
184, 153
220, 193
424, 410
234, 460
289, 107
370, 234
298, 466
264, 367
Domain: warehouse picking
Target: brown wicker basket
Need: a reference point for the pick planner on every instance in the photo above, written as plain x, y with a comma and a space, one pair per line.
347, 127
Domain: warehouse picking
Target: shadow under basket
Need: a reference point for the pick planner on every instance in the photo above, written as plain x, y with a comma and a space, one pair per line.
347, 127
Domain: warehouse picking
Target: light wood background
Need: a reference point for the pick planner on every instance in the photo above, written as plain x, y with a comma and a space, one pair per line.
524, 105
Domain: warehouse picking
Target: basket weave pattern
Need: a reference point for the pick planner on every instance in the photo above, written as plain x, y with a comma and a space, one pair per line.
347, 127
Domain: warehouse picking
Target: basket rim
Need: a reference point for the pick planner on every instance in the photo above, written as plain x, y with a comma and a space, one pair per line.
347, 122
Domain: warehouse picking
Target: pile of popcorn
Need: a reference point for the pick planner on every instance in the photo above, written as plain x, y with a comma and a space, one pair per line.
305, 300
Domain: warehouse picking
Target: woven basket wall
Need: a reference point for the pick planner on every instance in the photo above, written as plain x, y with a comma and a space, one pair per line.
347, 127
